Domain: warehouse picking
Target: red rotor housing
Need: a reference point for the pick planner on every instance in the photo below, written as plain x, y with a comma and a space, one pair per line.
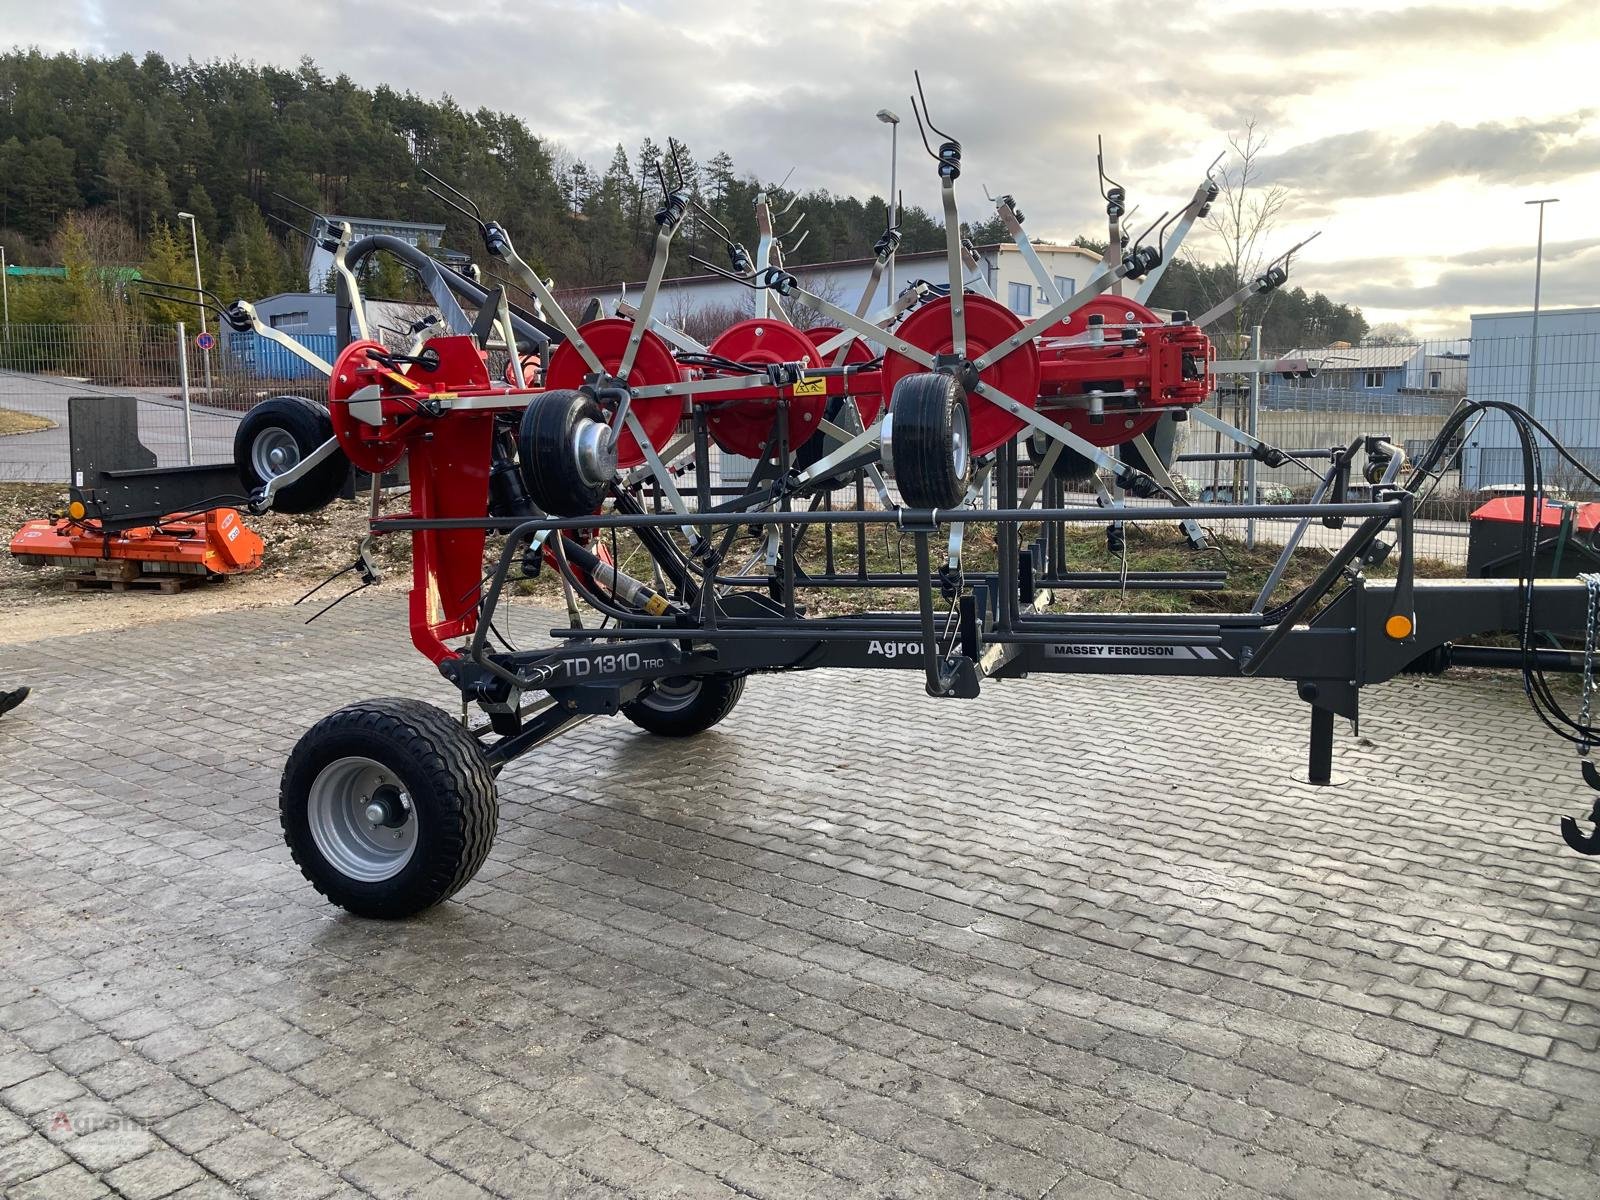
1165, 366
865, 386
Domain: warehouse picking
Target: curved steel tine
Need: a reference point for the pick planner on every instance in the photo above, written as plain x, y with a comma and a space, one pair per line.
917, 75
1139, 241
1100, 165
796, 247
289, 225
450, 203
471, 204
1213, 165
295, 203
677, 165
1161, 237
726, 274
1293, 250
717, 226
932, 153
181, 287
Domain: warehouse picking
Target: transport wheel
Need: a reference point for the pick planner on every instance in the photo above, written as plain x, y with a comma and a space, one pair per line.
273, 437
566, 453
684, 707
388, 807
925, 440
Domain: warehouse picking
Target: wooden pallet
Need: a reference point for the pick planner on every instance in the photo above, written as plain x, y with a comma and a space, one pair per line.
166, 585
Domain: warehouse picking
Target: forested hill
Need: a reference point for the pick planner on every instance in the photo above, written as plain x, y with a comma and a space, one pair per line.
140, 139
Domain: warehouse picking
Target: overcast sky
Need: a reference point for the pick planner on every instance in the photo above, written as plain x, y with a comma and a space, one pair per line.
1410, 135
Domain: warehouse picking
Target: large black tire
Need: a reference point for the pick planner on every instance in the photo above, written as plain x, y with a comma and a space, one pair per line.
276, 435
427, 773
685, 707
547, 450
929, 440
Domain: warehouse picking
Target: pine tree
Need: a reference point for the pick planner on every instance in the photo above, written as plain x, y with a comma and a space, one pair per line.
167, 261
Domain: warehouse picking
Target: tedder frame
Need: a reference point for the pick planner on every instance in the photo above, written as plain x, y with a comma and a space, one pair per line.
941, 412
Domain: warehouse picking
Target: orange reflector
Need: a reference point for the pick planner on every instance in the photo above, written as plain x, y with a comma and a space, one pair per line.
76, 510
1398, 627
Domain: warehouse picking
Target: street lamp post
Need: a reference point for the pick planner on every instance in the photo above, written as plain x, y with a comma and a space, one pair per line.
893, 122
200, 301
1538, 272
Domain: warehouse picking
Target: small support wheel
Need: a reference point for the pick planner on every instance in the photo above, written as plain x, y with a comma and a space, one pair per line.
1163, 439
565, 449
926, 440
683, 707
274, 437
388, 807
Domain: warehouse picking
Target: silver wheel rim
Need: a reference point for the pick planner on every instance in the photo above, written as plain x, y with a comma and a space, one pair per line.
274, 452
958, 441
345, 835
673, 695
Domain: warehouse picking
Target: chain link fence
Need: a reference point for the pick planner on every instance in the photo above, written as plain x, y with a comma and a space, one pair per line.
190, 399
1405, 394
1401, 394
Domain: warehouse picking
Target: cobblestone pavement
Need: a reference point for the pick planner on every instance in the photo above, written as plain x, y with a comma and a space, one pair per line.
1068, 941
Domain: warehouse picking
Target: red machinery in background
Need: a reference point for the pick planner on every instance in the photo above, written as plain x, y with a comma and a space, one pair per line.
127, 519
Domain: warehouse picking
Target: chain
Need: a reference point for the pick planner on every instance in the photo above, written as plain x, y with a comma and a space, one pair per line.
1591, 640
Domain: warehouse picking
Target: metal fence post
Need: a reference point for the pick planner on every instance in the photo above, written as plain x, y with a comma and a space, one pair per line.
1250, 428
183, 386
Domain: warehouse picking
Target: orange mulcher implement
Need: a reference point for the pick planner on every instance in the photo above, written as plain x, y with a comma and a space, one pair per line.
213, 543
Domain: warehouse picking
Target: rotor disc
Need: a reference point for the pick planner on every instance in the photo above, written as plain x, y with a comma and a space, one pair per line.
988, 324
869, 404
741, 421
1117, 426
357, 439
653, 366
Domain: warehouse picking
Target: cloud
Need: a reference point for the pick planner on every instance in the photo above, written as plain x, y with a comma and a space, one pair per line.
1025, 86
1371, 162
1483, 280
1388, 30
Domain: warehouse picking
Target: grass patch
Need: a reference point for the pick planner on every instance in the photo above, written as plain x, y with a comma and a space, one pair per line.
1149, 548
14, 422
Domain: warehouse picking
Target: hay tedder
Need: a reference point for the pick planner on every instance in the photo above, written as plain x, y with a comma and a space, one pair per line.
534, 443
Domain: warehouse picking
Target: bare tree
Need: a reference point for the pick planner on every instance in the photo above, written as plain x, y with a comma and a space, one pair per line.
1390, 333
1244, 215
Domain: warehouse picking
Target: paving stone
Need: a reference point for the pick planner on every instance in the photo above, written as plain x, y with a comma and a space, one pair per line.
760, 964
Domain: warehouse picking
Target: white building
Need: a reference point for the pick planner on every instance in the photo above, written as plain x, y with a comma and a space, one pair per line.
1565, 391
843, 283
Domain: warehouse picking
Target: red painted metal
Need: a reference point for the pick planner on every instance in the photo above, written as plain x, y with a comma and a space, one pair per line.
653, 365
741, 421
988, 325
449, 470
1165, 366
866, 386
